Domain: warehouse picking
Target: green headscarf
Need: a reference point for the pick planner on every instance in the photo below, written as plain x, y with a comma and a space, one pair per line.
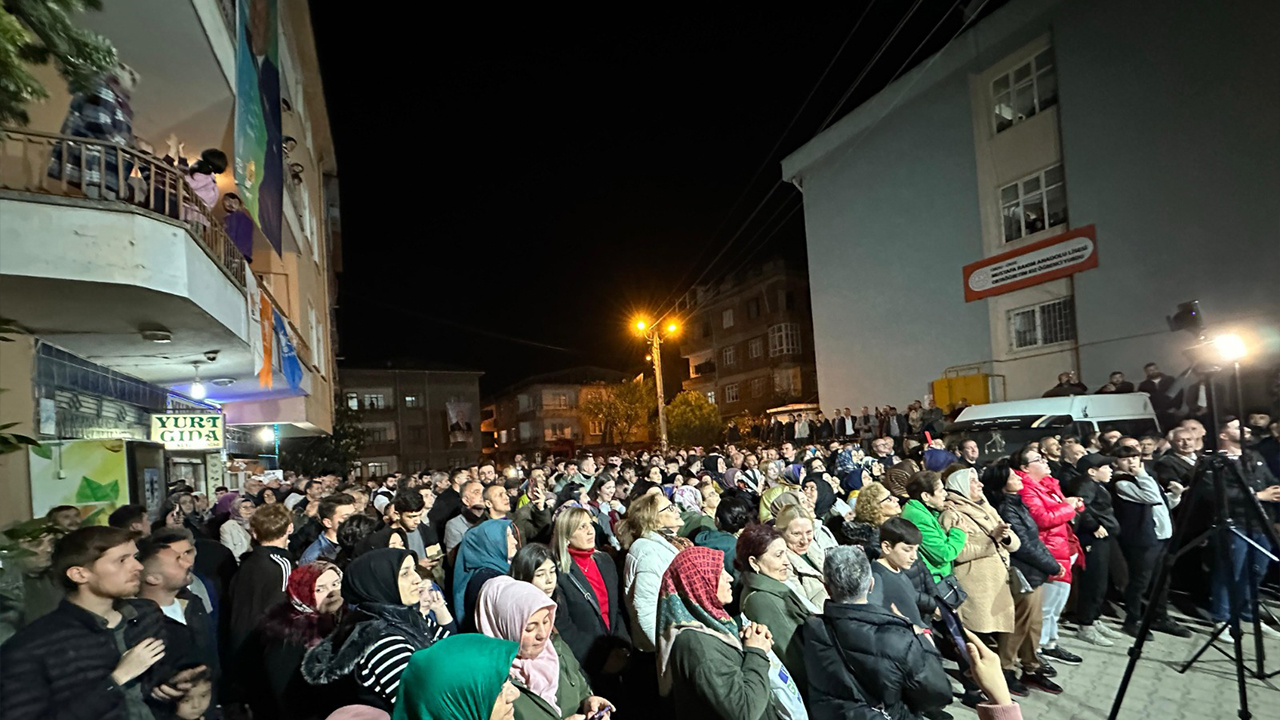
458, 678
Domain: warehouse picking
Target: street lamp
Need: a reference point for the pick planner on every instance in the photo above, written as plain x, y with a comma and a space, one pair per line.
653, 334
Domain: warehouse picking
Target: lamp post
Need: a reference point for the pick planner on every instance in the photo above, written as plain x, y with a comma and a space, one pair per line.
653, 335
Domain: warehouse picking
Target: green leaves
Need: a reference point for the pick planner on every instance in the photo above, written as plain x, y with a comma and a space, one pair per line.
40, 32
693, 420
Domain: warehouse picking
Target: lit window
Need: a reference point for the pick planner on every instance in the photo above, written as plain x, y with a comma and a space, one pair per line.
353, 401
1033, 204
555, 400
731, 393
728, 355
755, 347
375, 401
1044, 324
784, 339
411, 401
711, 396
596, 427
728, 318
1029, 88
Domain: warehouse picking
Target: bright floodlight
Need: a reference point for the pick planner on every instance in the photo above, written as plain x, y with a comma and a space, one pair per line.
672, 328
640, 325
1230, 347
267, 434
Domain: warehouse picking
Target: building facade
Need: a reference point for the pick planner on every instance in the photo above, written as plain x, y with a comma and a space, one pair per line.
138, 300
749, 340
544, 413
415, 420
1041, 194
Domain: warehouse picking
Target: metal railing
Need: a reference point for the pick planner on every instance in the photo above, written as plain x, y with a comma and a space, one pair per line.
72, 167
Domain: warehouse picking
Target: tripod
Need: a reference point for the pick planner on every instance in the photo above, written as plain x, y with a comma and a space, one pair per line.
1218, 471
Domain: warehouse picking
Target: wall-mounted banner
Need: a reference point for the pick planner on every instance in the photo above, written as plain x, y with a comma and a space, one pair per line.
1039, 262
188, 432
259, 165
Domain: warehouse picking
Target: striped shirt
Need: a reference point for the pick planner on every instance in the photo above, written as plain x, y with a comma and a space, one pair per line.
380, 668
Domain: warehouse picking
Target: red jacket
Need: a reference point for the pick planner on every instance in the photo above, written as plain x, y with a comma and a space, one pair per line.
1052, 515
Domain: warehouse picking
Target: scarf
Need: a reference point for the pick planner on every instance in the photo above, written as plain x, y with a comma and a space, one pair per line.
687, 498
379, 540
458, 678
302, 585
228, 506
586, 562
484, 546
371, 585
502, 611
958, 482
826, 497
688, 601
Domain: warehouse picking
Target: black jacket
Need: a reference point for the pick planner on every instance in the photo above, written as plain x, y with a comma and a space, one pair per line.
896, 667
446, 508
269, 667
261, 583
1172, 468
579, 621
59, 667
1033, 559
1098, 512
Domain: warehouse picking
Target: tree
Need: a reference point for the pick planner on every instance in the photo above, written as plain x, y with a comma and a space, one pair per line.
622, 408
38, 32
336, 453
692, 419
12, 442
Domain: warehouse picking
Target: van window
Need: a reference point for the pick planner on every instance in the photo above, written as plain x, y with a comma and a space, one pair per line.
1131, 427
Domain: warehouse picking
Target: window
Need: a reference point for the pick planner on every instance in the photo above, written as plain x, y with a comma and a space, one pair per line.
412, 401
1045, 324
557, 430
375, 401
784, 339
377, 468
728, 318
525, 403
1027, 89
786, 381
731, 393
758, 387
376, 434
728, 355
526, 430
753, 308
353, 401
711, 396
317, 338
755, 347
1033, 204
787, 299
706, 328
596, 427
555, 400
417, 434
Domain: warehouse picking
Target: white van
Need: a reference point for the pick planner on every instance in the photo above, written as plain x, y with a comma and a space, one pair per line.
1000, 428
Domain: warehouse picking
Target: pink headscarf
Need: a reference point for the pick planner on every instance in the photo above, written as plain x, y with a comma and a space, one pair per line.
503, 609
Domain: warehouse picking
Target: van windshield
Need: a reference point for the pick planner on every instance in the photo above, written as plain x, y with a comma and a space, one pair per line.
997, 442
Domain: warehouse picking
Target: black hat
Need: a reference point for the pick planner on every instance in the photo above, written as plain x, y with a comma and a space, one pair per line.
1093, 460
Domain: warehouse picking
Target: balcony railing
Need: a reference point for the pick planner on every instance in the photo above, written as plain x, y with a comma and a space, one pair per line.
72, 167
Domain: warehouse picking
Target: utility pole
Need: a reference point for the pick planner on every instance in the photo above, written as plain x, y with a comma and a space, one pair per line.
653, 334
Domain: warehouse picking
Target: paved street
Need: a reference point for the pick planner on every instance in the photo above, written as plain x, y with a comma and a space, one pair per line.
1157, 691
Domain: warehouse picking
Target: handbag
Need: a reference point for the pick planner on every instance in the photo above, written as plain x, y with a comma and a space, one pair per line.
866, 711
950, 593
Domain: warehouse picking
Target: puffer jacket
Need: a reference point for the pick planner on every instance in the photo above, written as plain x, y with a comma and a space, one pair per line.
642, 572
1052, 515
902, 671
1032, 559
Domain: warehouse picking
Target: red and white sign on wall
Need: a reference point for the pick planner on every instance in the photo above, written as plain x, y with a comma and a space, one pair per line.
1042, 261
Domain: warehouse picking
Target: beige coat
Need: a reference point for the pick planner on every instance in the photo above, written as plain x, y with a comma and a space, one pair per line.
983, 565
807, 580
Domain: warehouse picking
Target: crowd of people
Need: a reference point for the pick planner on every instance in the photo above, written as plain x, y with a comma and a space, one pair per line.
749, 581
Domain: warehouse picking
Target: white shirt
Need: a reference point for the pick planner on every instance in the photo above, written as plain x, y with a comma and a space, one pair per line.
174, 610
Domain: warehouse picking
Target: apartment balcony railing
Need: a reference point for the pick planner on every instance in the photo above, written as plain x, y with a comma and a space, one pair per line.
71, 167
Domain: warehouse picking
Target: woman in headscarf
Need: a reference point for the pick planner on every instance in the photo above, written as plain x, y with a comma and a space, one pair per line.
465, 677
711, 669
796, 526
268, 496
276, 686
485, 553
713, 468
234, 532
381, 628
982, 567
551, 684
768, 598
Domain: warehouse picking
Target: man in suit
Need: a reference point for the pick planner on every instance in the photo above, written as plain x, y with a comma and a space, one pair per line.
1179, 464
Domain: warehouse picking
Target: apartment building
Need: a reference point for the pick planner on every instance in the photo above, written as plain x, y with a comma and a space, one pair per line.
543, 413
142, 300
1041, 194
414, 419
748, 340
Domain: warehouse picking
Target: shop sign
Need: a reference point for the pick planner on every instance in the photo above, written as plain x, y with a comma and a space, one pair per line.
187, 432
1039, 262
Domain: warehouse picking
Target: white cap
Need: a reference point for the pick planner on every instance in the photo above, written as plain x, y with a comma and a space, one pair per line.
380, 502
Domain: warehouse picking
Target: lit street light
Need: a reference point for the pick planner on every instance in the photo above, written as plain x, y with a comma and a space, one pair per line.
654, 337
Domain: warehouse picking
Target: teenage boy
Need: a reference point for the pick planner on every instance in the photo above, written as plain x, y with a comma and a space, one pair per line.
1142, 509
263, 578
99, 654
333, 510
899, 579
1097, 529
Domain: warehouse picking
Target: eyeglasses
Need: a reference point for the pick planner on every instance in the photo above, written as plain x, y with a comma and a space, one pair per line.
889, 498
667, 507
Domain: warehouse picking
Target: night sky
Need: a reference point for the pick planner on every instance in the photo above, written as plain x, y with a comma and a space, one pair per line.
515, 187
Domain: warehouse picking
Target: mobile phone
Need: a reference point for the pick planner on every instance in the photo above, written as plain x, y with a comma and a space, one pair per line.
956, 633
599, 714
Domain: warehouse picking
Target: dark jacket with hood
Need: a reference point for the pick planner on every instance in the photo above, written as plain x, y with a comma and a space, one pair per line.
1032, 559
898, 669
274, 686
369, 650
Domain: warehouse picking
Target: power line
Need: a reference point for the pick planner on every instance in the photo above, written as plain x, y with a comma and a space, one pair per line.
861, 76
777, 144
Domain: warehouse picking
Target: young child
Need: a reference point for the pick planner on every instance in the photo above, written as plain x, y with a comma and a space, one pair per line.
193, 705
899, 579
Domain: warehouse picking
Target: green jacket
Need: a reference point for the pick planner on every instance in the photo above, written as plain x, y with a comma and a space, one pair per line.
776, 606
712, 680
938, 548
573, 689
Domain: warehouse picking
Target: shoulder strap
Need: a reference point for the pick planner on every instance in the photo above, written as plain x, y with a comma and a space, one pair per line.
858, 689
